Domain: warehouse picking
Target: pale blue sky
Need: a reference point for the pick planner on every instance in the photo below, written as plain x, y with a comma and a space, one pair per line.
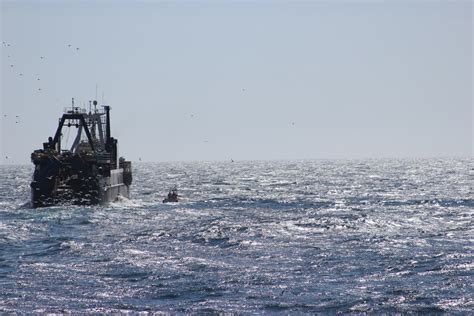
215, 80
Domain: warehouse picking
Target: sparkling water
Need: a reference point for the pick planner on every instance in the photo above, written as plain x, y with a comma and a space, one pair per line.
323, 236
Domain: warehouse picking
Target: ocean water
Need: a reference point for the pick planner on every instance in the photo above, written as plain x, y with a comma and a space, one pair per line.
349, 236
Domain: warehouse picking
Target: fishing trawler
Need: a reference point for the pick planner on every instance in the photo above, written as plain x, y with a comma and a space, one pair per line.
89, 172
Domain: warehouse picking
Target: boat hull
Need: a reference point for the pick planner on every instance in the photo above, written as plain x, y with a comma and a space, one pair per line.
76, 182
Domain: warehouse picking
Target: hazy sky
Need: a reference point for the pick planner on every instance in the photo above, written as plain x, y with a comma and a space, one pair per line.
215, 80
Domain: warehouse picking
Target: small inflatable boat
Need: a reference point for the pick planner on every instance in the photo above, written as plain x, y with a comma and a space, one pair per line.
172, 196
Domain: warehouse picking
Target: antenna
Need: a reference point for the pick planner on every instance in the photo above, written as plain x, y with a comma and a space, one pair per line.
72, 107
96, 86
103, 102
90, 106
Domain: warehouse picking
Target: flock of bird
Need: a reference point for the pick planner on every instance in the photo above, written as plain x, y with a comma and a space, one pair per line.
17, 120
8, 46
12, 65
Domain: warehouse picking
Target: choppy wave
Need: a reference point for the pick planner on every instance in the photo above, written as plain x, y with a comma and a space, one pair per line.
384, 236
